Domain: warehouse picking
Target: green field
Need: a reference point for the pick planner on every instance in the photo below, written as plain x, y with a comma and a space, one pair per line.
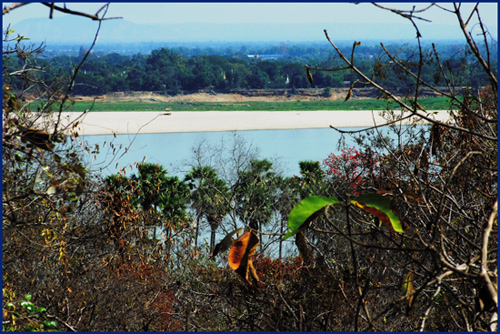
432, 103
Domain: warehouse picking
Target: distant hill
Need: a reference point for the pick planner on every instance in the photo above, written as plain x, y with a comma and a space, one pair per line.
77, 30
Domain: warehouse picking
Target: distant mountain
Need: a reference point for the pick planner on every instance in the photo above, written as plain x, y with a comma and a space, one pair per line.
77, 30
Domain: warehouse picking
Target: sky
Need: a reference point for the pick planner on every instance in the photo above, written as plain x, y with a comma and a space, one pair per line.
260, 12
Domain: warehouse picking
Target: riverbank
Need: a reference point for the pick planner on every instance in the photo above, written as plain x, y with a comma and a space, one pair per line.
148, 101
99, 123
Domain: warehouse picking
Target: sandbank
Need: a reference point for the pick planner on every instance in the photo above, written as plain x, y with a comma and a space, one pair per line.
101, 123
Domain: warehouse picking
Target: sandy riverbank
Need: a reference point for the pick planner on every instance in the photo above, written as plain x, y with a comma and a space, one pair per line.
98, 123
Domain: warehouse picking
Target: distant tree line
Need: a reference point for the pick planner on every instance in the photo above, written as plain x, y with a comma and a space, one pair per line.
182, 69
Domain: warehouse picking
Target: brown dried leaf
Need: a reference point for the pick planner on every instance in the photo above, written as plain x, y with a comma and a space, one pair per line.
241, 253
309, 75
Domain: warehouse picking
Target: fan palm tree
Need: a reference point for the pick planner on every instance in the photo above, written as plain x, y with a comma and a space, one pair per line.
210, 198
162, 197
254, 193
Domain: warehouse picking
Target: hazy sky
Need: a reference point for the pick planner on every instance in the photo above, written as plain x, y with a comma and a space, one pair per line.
254, 12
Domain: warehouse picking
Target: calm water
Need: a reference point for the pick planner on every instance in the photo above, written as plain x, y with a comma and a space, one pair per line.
172, 150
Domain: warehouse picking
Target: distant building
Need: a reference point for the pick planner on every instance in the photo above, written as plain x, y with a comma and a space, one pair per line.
266, 56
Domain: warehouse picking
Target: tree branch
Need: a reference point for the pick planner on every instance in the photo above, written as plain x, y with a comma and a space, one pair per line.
484, 256
14, 6
94, 17
403, 105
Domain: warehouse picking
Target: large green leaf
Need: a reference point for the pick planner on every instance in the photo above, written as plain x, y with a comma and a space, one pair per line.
304, 212
382, 208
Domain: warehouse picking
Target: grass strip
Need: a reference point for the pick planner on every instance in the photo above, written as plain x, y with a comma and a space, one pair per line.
432, 103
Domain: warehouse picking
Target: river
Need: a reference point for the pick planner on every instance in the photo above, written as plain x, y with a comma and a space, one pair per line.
174, 150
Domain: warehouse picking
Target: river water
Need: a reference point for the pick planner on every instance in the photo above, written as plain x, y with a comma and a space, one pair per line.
174, 150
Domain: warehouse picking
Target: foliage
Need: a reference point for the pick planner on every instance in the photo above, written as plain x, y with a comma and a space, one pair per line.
83, 254
443, 179
209, 197
176, 70
350, 168
156, 191
70, 242
381, 207
25, 316
254, 193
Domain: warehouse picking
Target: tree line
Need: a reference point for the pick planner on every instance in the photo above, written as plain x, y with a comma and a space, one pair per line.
179, 70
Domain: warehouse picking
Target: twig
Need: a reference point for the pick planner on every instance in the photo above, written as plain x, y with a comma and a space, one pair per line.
94, 17
484, 255
14, 6
445, 186
474, 48
372, 127
414, 110
71, 328
286, 304
428, 311
362, 293
439, 280
75, 72
407, 16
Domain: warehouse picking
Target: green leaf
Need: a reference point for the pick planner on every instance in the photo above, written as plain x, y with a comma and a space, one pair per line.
48, 323
407, 287
304, 212
382, 208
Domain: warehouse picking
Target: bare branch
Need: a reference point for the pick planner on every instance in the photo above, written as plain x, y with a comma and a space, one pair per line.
484, 256
404, 14
76, 70
451, 93
403, 105
474, 48
14, 6
472, 14
408, 14
94, 17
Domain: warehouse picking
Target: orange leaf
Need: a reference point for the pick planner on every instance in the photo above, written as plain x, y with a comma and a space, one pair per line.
240, 255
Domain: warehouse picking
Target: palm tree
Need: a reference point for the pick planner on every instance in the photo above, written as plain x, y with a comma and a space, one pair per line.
254, 193
163, 198
210, 197
312, 179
